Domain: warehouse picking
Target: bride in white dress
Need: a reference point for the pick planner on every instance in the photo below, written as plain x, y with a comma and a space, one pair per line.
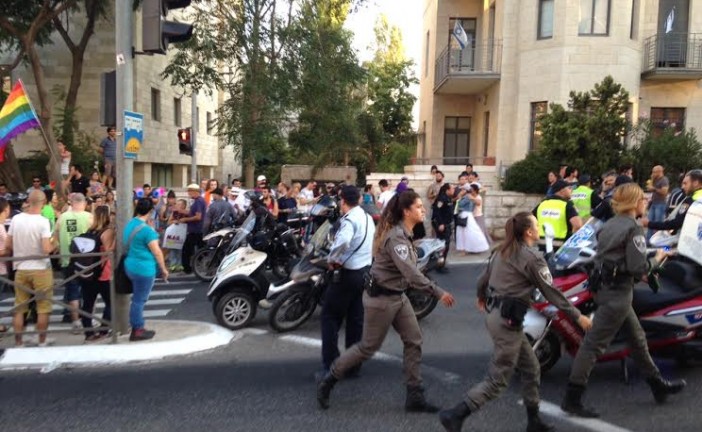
470, 238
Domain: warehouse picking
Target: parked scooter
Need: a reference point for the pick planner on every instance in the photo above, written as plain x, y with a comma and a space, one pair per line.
294, 302
207, 259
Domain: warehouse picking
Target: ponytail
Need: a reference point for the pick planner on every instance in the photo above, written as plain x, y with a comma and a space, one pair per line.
515, 228
393, 215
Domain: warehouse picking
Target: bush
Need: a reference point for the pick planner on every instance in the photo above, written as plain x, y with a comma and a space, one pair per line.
529, 175
396, 158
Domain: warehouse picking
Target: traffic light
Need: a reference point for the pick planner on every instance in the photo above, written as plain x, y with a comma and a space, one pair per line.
157, 32
185, 144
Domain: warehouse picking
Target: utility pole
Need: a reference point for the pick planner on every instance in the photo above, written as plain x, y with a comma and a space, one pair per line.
193, 137
125, 167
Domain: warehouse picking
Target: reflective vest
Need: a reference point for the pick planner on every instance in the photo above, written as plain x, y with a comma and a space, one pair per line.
582, 200
553, 211
697, 195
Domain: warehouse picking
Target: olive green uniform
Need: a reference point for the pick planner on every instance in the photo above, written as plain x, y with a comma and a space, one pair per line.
394, 270
514, 277
621, 242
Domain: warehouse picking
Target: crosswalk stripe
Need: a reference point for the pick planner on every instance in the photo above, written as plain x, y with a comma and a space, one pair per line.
156, 313
101, 305
154, 293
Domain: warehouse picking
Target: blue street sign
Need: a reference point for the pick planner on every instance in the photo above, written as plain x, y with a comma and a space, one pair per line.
133, 134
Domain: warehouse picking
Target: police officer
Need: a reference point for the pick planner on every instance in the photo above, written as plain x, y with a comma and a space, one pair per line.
558, 211
692, 186
442, 217
621, 260
350, 258
604, 210
385, 302
583, 197
504, 291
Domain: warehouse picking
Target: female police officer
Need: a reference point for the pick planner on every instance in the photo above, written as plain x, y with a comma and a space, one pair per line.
621, 256
504, 291
385, 304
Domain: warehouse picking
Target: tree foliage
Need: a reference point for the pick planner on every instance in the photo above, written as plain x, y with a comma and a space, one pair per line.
529, 175
590, 133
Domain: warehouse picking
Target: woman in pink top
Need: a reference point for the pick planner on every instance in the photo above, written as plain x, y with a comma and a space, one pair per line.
91, 288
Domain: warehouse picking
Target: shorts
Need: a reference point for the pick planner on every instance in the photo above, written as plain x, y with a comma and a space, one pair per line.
71, 289
40, 281
110, 167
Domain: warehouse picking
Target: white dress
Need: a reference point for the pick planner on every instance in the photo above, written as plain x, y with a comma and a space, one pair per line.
470, 238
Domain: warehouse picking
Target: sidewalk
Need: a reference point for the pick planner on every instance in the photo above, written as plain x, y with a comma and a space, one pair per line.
173, 338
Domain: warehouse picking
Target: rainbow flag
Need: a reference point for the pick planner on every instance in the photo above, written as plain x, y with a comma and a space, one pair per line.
16, 117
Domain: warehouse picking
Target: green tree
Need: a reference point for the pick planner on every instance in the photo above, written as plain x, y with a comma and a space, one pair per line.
590, 133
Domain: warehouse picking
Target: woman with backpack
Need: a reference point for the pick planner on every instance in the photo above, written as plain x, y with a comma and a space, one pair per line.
100, 283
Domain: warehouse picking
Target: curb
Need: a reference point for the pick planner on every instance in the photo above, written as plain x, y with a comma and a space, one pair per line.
49, 358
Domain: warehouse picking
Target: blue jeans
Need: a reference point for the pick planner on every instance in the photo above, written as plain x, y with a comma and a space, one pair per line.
142, 288
656, 213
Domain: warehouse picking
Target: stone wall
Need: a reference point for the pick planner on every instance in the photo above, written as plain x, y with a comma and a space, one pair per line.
302, 173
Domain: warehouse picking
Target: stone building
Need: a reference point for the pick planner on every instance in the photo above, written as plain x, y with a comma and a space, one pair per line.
481, 103
165, 109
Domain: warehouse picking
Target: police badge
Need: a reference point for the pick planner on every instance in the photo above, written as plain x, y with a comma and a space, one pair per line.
402, 251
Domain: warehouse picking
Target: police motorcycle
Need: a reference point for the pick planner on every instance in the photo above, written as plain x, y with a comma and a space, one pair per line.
207, 259
669, 307
294, 302
241, 281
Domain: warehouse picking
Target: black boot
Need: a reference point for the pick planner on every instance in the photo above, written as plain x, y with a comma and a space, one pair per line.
661, 388
452, 419
535, 423
572, 402
416, 402
324, 389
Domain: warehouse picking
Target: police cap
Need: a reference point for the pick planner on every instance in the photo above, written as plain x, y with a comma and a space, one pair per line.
559, 185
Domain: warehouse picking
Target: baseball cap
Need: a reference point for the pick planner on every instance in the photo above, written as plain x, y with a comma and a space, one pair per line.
330, 185
261, 178
193, 186
559, 185
404, 178
234, 191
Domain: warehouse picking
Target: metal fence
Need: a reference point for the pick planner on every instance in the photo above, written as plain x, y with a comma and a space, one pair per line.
41, 295
673, 50
475, 59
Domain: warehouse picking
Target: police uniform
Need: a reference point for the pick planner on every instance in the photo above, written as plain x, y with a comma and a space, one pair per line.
442, 214
393, 271
352, 249
556, 211
622, 256
511, 281
676, 218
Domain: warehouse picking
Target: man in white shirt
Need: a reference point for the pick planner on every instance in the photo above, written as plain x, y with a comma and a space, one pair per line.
30, 235
307, 196
386, 194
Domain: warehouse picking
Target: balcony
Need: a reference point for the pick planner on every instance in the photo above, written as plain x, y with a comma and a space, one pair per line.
470, 70
673, 56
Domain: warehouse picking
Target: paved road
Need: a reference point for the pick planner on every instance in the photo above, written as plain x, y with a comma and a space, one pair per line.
264, 381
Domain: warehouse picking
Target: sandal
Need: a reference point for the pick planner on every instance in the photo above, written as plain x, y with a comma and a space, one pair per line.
3, 328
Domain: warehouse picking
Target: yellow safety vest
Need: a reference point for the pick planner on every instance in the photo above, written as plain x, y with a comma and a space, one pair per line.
697, 195
582, 200
553, 211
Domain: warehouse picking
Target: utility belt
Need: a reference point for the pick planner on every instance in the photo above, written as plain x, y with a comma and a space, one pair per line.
512, 310
609, 275
375, 290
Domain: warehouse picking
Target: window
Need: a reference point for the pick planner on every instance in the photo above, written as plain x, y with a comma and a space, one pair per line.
545, 30
208, 126
155, 105
538, 109
162, 175
486, 132
594, 17
635, 8
176, 112
456, 140
664, 118
426, 56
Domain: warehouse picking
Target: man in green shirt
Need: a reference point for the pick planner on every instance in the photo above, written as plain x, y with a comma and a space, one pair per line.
72, 223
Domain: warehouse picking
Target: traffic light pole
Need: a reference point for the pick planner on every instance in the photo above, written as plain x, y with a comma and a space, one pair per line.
125, 167
193, 138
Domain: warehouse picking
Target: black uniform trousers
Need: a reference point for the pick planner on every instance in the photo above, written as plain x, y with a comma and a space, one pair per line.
192, 242
342, 301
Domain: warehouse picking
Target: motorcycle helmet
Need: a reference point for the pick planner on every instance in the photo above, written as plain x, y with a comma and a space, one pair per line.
260, 240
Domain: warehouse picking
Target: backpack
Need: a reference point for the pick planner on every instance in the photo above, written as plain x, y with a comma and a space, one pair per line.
88, 242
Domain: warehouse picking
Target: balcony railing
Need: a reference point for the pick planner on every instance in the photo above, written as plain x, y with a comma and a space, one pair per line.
476, 59
673, 55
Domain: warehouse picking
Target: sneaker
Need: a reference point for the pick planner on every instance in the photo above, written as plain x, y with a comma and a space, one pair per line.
141, 335
95, 337
47, 342
77, 327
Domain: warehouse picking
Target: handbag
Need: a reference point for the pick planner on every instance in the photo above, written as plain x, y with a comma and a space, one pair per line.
461, 222
123, 285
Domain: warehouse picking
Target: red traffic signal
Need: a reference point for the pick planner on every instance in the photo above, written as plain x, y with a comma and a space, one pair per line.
185, 144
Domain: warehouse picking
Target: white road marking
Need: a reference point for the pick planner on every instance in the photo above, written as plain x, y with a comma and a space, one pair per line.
597, 425
58, 318
154, 293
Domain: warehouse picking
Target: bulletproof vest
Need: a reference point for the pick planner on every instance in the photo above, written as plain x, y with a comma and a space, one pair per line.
553, 211
581, 198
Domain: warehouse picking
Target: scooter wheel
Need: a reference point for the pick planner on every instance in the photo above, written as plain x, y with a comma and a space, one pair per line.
203, 267
290, 311
235, 310
548, 352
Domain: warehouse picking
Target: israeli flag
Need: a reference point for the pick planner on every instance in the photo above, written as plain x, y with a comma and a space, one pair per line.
670, 21
460, 35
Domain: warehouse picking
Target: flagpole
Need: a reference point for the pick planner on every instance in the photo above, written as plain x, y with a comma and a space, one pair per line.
52, 150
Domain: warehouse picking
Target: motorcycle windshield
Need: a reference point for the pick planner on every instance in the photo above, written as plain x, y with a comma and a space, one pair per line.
569, 252
320, 239
244, 230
